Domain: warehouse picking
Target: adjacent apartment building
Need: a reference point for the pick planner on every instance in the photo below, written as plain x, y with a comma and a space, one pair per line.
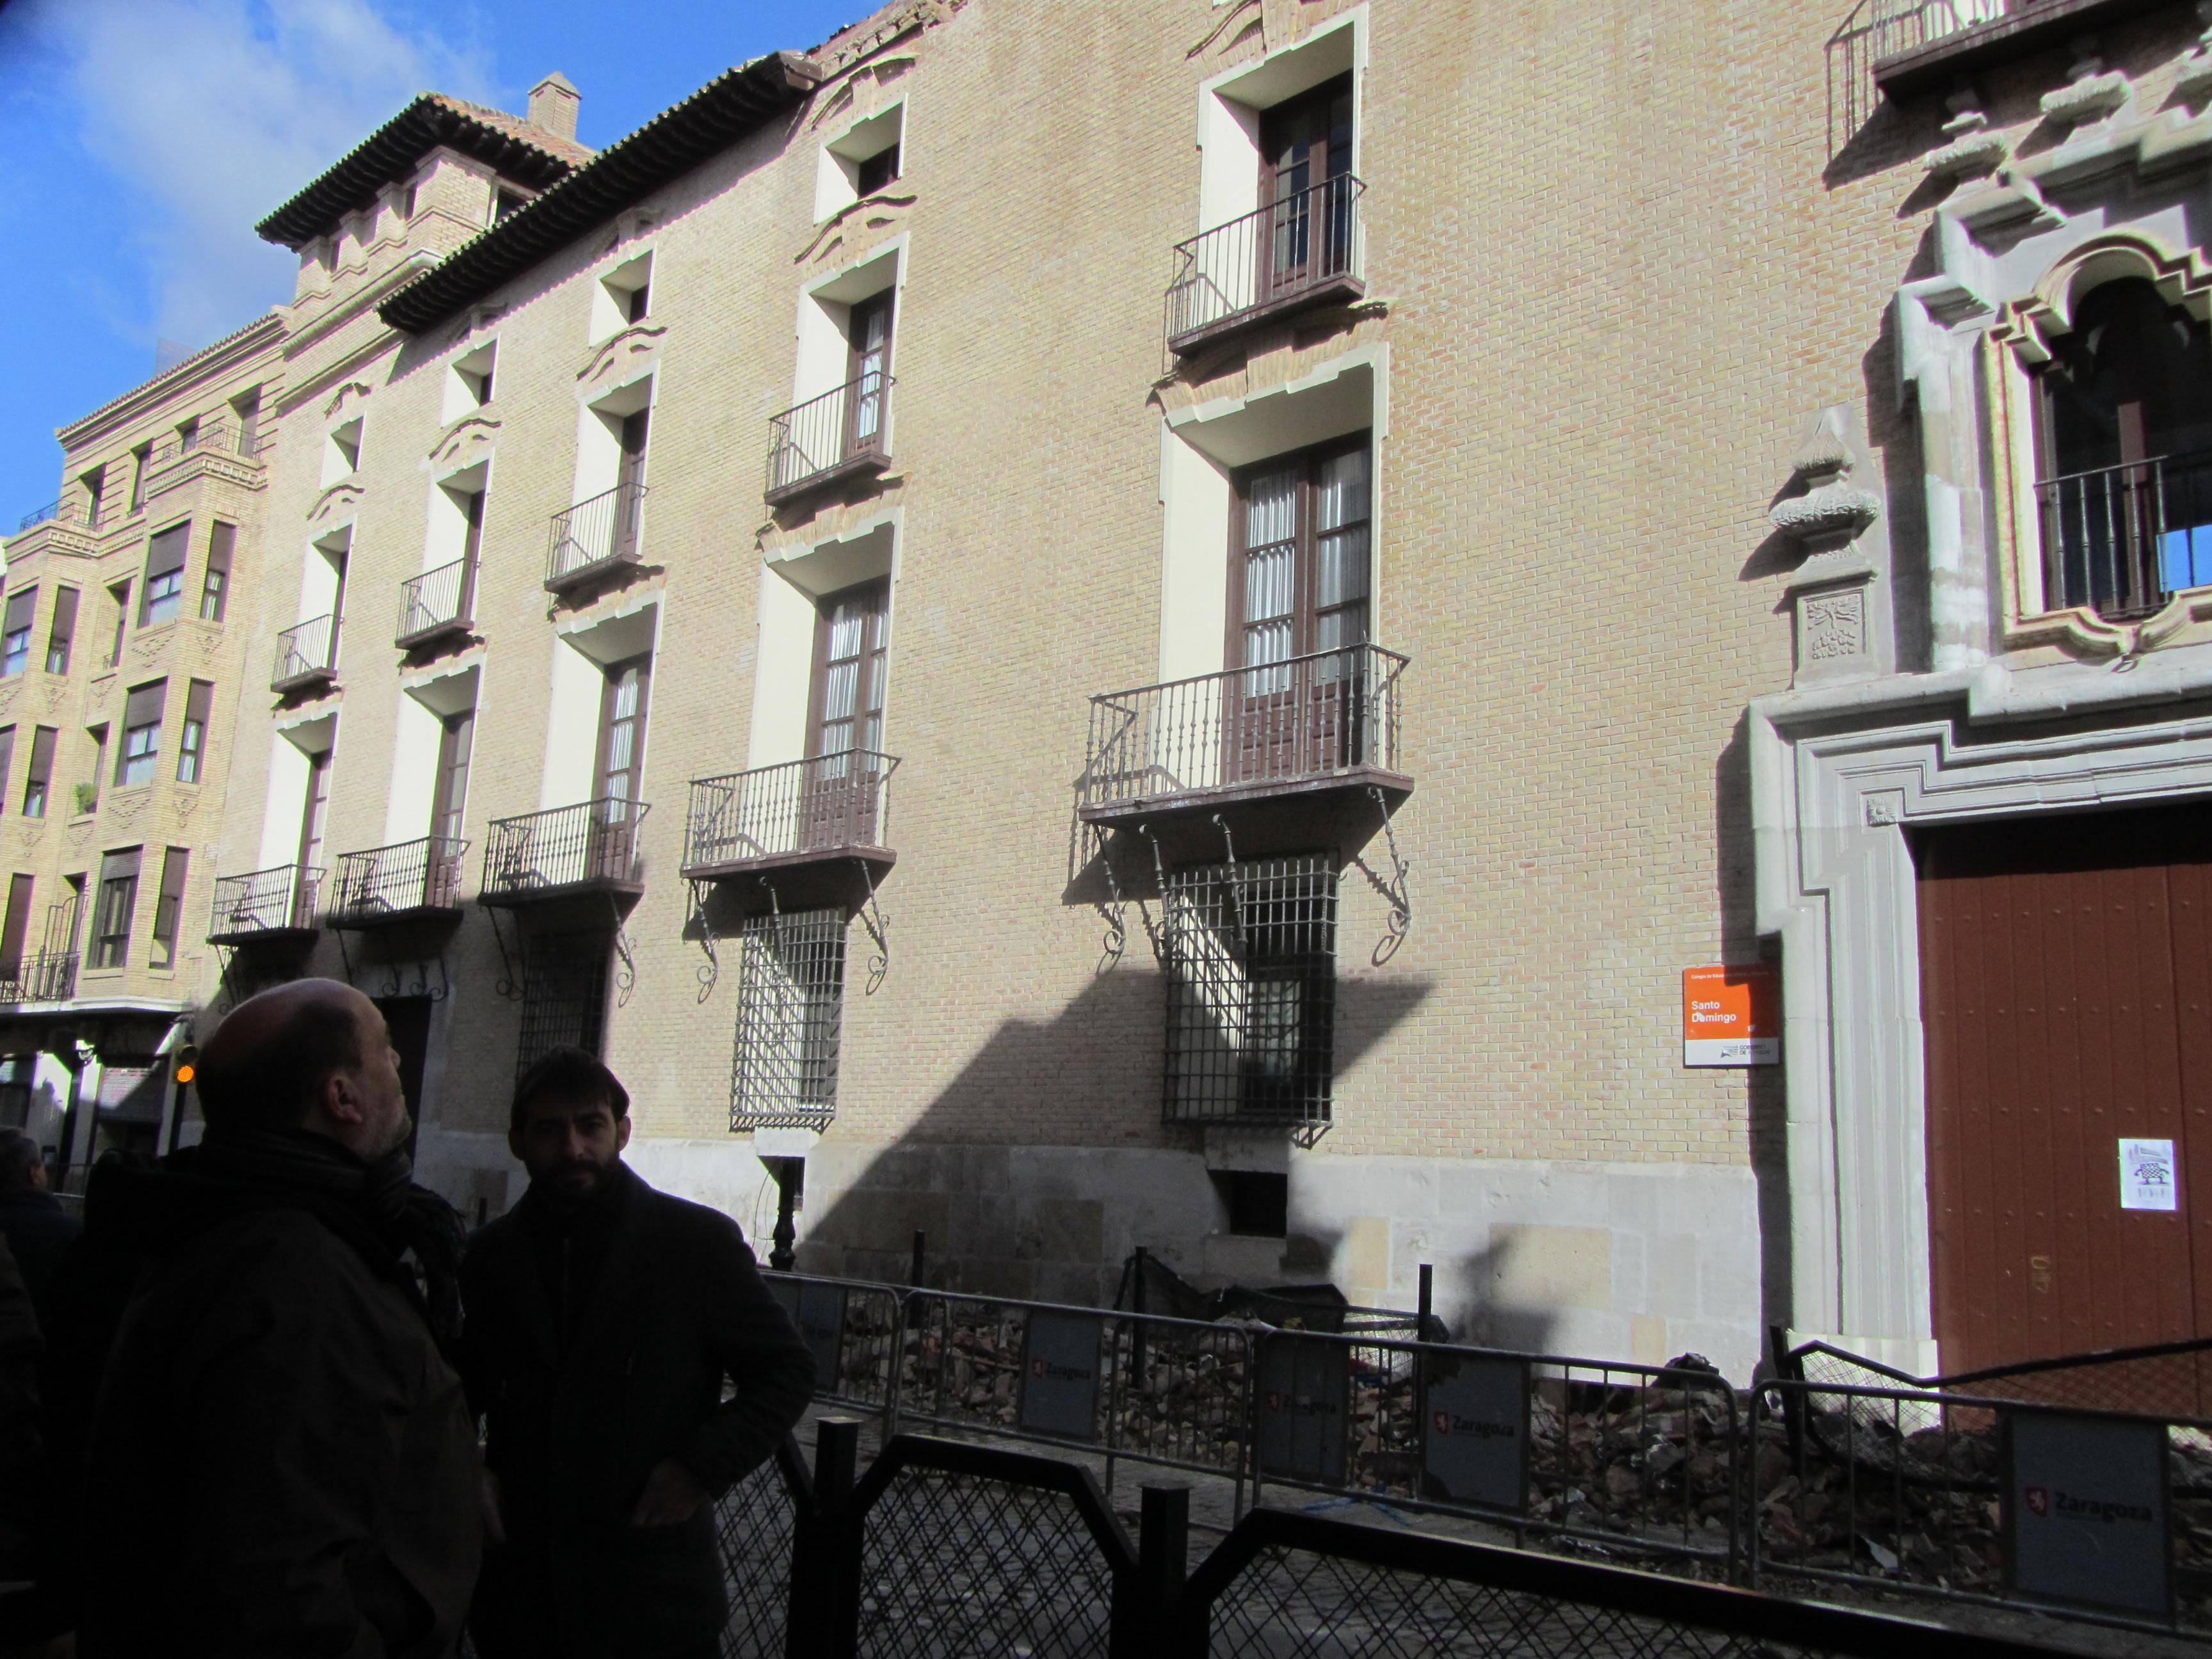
1172, 624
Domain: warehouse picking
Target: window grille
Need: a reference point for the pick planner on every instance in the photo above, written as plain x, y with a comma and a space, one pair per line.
564, 996
1250, 950
791, 1002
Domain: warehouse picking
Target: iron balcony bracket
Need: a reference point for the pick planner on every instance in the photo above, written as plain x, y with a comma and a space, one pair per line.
513, 966
711, 975
1236, 888
626, 974
1115, 911
1395, 889
878, 927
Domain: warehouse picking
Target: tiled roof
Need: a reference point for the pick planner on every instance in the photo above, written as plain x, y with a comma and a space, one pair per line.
730, 107
530, 155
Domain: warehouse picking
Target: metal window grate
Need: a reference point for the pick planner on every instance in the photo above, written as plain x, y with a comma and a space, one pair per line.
564, 996
1250, 951
791, 1005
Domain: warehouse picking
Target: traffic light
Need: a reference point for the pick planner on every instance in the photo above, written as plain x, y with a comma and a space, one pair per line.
183, 1065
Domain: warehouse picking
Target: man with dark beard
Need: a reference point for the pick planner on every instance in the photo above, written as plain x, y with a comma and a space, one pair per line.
602, 1320
280, 1460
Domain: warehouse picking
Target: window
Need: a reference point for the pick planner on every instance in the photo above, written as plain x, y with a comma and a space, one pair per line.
168, 905
41, 776
342, 451
1299, 582
449, 795
878, 170
93, 483
507, 202
624, 296
629, 479
469, 381
192, 741
215, 586
7, 762
313, 810
852, 642
16, 632
118, 900
164, 592
641, 301
141, 458
246, 409
790, 998
870, 345
188, 436
2124, 453
1250, 950
16, 928
1258, 1201
622, 735
141, 734
88, 793
120, 596
61, 633
859, 162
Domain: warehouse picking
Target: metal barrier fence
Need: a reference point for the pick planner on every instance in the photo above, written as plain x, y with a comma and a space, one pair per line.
942, 1548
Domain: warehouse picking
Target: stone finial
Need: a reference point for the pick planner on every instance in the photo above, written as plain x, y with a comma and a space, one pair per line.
1832, 509
1970, 146
2090, 94
553, 104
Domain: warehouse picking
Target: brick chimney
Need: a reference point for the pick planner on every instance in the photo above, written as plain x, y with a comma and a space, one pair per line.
553, 106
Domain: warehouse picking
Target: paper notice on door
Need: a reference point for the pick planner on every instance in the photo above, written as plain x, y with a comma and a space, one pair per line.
2147, 1175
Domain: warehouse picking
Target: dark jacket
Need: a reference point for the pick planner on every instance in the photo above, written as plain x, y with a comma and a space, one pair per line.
38, 1231
597, 1345
281, 1461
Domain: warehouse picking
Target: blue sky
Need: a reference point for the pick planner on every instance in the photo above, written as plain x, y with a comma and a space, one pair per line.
140, 140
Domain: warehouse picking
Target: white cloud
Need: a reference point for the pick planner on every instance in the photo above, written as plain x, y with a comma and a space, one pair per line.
210, 112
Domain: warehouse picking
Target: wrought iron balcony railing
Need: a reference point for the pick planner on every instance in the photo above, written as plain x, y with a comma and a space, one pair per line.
546, 854
841, 434
59, 512
1282, 728
2123, 539
209, 437
436, 602
1917, 46
1301, 250
388, 883
833, 806
49, 977
265, 902
306, 652
593, 536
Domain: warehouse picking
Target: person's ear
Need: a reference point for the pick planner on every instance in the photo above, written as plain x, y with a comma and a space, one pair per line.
622, 1132
342, 1100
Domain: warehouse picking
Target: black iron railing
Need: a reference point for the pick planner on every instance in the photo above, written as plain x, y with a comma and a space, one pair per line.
52, 513
436, 601
841, 429
1302, 718
409, 875
49, 977
2122, 539
277, 900
595, 840
818, 805
306, 651
1270, 257
594, 534
209, 437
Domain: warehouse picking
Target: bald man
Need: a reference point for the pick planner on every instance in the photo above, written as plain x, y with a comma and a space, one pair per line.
282, 1460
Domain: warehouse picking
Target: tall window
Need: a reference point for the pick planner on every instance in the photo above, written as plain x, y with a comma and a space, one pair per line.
2124, 439
88, 793
141, 734
39, 778
622, 736
449, 796
63, 631
16, 632
7, 762
791, 996
158, 601
169, 905
1300, 583
215, 586
246, 406
869, 336
141, 458
852, 646
192, 739
1305, 150
120, 596
94, 485
313, 810
877, 172
117, 903
16, 929
629, 475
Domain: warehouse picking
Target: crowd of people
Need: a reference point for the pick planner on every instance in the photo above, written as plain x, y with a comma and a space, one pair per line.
272, 1398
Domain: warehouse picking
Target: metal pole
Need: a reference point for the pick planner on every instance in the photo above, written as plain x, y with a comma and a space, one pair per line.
913, 1273
1162, 1563
1427, 1304
784, 1256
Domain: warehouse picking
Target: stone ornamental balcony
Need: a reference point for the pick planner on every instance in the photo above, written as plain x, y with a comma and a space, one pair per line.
437, 605
594, 537
1920, 46
842, 435
1318, 725
832, 808
306, 657
1304, 250
410, 881
570, 852
272, 907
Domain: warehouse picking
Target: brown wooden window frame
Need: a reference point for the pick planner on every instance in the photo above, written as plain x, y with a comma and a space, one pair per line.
140, 747
191, 737
168, 550
1305, 614
168, 906
38, 780
215, 583
61, 631
116, 906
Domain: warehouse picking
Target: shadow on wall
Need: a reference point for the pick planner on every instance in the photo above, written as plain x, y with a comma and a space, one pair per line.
1044, 1162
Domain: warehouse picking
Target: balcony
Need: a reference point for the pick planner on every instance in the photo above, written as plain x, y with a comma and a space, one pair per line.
208, 438
2122, 540
270, 907
1926, 45
306, 657
833, 807
593, 537
1304, 250
411, 881
436, 604
827, 441
49, 977
570, 852
1318, 725
66, 526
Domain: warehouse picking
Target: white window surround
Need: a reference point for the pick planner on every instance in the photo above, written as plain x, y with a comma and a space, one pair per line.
837, 174
289, 752
1202, 445
446, 525
610, 293
825, 307
321, 582
342, 451
463, 381
424, 706
794, 580
582, 652
599, 435
1229, 105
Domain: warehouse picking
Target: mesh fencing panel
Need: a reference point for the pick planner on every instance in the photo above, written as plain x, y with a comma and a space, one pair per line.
757, 1524
791, 1002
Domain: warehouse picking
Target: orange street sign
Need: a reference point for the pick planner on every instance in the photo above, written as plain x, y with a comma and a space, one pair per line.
1732, 1016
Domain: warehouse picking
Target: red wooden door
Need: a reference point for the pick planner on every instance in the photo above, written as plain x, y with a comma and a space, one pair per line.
2066, 995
